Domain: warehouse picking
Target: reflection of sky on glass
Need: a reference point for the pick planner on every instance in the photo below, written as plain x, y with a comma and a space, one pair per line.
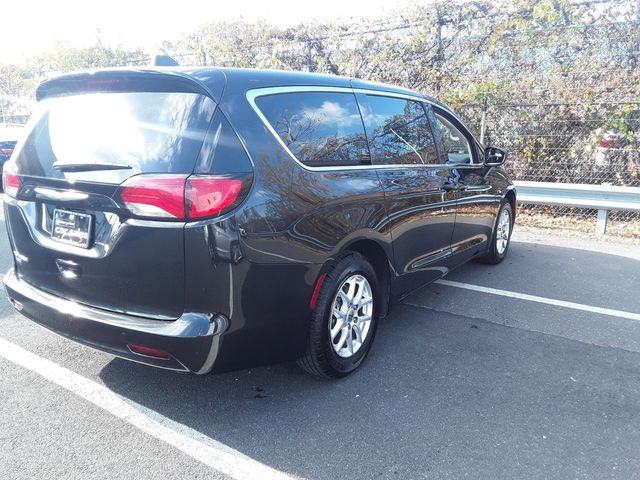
313, 114
384, 109
145, 130
318, 127
332, 114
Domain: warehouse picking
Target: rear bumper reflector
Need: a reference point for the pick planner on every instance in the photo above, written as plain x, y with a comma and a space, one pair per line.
316, 291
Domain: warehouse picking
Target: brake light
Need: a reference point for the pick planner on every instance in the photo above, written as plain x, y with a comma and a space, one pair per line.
180, 196
6, 151
10, 182
208, 196
155, 196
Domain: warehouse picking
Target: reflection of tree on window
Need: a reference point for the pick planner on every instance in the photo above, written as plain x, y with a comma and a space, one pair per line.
293, 130
454, 147
399, 132
319, 128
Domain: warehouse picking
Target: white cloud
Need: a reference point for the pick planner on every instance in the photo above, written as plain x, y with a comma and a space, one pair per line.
331, 113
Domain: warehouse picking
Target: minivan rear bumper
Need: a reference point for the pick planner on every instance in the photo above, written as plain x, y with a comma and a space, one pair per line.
191, 341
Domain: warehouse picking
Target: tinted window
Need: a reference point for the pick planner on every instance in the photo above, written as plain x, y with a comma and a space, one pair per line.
223, 152
151, 132
399, 132
320, 128
454, 146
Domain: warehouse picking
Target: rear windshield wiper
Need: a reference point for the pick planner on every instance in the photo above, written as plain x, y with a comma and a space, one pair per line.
89, 167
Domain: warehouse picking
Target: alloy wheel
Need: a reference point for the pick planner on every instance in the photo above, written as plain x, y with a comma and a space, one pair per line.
504, 229
351, 314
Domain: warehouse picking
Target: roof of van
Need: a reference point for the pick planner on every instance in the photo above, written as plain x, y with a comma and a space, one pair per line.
253, 76
257, 78
215, 78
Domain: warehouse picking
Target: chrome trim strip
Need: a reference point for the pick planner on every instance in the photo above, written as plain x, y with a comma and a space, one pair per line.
382, 93
55, 195
253, 94
189, 324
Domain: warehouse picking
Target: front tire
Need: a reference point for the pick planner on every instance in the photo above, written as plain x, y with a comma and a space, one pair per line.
501, 236
345, 318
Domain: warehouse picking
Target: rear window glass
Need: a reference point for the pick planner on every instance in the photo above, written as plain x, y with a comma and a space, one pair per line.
320, 128
399, 132
149, 132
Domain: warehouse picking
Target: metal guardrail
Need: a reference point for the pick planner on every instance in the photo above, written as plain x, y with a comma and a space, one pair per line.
601, 197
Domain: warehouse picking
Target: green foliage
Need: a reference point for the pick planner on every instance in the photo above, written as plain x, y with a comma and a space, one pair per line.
506, 50
18, 82
62, 58
520, 53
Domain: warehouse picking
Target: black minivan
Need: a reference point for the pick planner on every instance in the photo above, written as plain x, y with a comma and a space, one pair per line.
212, 219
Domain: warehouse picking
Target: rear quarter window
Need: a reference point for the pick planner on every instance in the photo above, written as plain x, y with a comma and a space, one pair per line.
223, 152
319, 128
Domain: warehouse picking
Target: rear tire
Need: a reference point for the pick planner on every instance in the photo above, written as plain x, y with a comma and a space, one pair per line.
345, 318
501, 239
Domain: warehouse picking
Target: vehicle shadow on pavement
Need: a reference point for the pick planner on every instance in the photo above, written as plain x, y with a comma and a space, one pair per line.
440, 396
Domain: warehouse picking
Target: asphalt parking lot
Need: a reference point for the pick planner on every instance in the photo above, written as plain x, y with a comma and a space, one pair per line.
461, 383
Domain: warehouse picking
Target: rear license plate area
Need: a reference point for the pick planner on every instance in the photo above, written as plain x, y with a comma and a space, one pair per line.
72, 228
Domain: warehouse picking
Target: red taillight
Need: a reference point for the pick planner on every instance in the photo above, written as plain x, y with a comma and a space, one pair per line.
149, 352
180, 196
155, 195
6, 151
207, 196
10, 182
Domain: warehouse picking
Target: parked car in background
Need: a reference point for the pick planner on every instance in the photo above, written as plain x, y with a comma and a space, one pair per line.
213, 219
616, 154
9, 135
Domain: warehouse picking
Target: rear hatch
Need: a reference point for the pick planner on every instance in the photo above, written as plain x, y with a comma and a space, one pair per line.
96, 213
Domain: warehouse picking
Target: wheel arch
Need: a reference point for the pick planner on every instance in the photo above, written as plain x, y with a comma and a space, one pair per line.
377, 256
510, 196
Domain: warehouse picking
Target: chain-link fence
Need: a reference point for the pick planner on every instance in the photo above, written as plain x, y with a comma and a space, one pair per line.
587, 143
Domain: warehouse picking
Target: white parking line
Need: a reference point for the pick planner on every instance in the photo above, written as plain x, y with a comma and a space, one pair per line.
191, 442
535, 298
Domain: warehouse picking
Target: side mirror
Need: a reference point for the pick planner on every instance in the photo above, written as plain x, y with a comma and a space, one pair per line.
494, 156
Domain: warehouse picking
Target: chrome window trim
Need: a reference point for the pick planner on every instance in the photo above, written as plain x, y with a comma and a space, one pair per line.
255, 93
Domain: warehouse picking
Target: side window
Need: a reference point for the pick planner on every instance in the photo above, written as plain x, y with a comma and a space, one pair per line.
399, 131
320, 128
453, 144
